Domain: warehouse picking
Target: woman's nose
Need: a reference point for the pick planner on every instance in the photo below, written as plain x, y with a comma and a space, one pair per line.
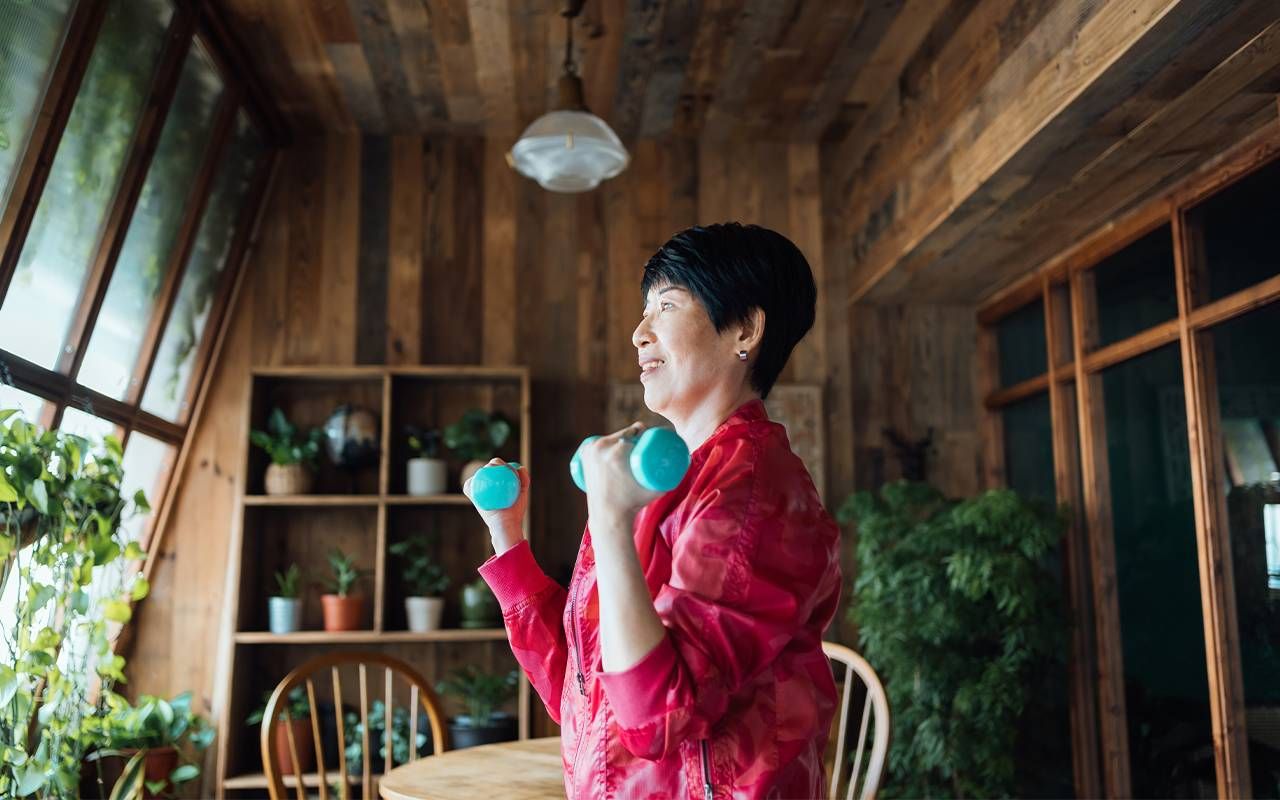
642, 335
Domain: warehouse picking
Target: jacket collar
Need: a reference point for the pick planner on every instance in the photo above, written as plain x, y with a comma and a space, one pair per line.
750, 411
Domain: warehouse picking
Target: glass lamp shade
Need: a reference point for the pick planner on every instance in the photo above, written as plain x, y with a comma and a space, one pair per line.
569, 151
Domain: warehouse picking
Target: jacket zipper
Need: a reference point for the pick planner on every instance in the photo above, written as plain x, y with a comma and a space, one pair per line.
577, 641
708, 789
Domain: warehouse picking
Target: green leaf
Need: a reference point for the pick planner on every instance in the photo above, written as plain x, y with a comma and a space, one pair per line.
130, 783
113, 446
80, 601
184, 773
33, 777
8, 494
116, 611
38, 495
140, 500
5, 413
141, 587
8, 684
155, 787
133, 551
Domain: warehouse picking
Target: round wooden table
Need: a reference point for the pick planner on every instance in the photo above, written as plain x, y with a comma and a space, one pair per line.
528, 770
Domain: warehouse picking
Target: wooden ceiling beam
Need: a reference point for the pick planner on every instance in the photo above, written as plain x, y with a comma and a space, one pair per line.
490, 22
641, 37
1018, 127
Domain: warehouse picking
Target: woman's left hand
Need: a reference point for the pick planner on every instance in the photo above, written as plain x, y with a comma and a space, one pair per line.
612, 491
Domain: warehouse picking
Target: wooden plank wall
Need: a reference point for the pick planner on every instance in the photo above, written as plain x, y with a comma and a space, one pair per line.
431, 250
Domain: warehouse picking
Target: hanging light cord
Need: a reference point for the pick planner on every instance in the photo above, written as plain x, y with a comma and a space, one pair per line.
571, 11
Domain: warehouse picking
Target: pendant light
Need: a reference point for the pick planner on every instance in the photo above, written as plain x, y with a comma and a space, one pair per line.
569, 149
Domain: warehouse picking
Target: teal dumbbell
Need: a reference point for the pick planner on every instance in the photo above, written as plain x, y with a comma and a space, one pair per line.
496, 487
659, 460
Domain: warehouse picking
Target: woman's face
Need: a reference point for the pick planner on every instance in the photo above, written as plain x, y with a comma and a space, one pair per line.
683, 361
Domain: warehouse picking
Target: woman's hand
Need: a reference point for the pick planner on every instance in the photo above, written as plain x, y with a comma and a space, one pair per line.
506, 525
612, 491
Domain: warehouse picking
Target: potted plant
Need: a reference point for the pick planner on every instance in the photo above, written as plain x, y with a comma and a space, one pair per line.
293, 454
284, 609
425, 472
62, 519
479, 607
169, 734
426, 580
354, 732
481, 693
343, 611
477, 437
299, 722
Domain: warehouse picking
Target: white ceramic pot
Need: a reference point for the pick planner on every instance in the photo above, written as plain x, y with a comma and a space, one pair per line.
424, 613
285, 614
426, 476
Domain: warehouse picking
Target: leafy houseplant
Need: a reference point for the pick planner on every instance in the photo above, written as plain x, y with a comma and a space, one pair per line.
425, 471
292, 452
354, 736
168, 731
284, 611
300, 723
71, 563
426, 581
343, 611
481, 693
477, 437
960, 615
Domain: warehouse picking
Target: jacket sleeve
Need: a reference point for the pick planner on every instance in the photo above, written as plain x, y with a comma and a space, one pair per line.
532, 609
731, 606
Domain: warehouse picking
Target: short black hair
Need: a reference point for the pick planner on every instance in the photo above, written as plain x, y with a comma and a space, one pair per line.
732, 268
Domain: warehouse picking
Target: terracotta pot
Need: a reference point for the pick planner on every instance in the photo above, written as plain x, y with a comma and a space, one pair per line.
301, 739
343, 613
288, 479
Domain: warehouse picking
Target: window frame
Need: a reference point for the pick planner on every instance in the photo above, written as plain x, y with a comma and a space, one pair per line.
1073, 380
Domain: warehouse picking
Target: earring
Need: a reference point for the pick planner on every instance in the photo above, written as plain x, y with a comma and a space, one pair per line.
742, 355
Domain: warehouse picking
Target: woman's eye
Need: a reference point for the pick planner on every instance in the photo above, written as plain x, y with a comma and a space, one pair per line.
666, 305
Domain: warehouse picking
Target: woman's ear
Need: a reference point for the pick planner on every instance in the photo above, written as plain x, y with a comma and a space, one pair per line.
752, 331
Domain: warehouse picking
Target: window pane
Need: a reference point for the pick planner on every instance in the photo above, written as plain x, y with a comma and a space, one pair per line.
1249, 403
68, 221
146, 253
90, 427
29, 404
1240, 245
147, 463
167, 386
1028, 448
1158, 584
1023, 351
30, 36
1136, 287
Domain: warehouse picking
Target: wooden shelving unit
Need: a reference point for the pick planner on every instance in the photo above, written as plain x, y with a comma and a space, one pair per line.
363, 513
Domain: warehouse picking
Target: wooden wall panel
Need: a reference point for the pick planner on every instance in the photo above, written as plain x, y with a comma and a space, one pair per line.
430, 249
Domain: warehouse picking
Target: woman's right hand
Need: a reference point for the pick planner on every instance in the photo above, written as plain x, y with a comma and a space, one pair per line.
506, 526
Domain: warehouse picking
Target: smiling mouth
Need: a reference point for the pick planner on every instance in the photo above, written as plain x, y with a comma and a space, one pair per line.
650, 367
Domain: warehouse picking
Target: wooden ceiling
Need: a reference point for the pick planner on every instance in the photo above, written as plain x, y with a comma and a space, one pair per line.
775, 68
964, 142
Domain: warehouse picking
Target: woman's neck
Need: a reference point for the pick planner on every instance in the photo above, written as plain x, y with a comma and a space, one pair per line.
698, 425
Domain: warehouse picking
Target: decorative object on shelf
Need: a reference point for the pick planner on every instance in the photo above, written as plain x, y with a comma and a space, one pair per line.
477, 437
284, 610
300, 723
481, 693
352, 434
343, 611
354, 733
60, 504
569, 149
427, 474
167, 734
426, 580
479, 607
293, 454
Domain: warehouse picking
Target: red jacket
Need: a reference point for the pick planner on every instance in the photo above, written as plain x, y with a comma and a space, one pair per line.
742, 562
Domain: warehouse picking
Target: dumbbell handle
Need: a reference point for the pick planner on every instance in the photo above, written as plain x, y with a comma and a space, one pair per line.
659, 460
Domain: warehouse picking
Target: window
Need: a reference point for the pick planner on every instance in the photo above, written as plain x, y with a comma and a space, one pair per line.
1239, 233
1028, 448
30, 36
46, 288
1020, 337
1135, 287
146, 256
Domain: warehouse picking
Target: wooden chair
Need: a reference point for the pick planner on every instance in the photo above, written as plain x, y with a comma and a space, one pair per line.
278, 707
875, 700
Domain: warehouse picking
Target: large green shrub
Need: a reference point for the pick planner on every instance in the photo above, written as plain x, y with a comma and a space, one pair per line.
958, 612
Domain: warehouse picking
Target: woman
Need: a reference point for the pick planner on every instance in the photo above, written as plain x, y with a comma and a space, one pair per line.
685, 659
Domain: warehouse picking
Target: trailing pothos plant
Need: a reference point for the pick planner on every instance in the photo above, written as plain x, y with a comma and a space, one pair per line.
959, 613
153, 724
64, 560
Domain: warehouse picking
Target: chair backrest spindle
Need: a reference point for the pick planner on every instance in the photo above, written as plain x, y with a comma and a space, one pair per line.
875, 701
